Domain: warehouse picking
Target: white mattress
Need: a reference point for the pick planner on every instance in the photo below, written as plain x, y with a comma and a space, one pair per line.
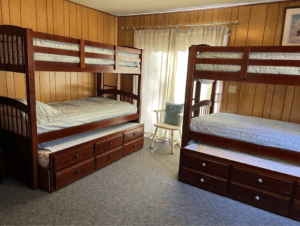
82, 111
248, 158
45, 149
266, 132
251, 69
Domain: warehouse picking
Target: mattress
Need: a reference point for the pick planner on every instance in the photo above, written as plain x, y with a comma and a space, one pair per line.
251, 68
82, 111
45, 149
248, 158
266, 132
76, 47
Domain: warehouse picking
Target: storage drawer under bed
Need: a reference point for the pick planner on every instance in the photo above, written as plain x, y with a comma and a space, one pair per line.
260, 198
133, 134
262, 181
295, 211
109, 157
74, 157
203, 180
106, 145
133, 146
74, 173
205, 165
297, 195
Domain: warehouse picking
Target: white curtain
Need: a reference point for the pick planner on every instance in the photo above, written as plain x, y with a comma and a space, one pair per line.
165, 64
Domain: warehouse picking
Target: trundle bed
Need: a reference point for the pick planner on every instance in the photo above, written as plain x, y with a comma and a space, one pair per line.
51, 145
249, 159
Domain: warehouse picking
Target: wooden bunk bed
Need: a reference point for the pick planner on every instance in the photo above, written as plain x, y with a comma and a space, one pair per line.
261, 175
25, 51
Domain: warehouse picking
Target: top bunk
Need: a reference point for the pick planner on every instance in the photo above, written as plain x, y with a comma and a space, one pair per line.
59, 53
255, 64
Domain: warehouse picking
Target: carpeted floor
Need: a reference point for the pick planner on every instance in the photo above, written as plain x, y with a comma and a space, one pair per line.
140, 189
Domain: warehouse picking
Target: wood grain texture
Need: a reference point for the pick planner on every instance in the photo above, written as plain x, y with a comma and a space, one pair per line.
50, 16
295, 111
41, 16
73, 20
59, 17
67, 19
15, 9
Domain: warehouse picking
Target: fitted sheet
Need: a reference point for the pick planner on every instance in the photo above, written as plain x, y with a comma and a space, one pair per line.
45, 149
251, 68
82, 111
266, 132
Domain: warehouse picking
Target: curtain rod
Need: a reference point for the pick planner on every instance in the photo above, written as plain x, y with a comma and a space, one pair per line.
183, 25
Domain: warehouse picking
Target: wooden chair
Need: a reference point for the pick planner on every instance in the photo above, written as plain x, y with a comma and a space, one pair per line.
166, 126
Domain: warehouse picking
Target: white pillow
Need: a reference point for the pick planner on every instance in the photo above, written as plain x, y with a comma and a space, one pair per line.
42, 109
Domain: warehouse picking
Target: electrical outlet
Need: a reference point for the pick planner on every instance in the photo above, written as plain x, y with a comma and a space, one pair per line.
232, 89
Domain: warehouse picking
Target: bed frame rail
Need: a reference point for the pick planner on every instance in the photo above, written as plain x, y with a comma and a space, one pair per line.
244, 62
14, 116
78, 50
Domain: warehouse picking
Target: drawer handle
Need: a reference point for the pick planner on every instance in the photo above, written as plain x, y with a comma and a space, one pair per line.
202, 180
257, 198
203, 164
77, 172
260, 180
133, 134
134, 146
76, 156
110, 143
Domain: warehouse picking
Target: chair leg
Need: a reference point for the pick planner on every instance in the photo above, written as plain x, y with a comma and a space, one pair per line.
166, 135
151, 146
172, 145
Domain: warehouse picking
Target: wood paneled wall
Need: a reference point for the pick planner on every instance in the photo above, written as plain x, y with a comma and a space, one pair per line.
63, 18
259, 25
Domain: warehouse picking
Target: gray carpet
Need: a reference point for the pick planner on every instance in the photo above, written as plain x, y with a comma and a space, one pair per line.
140, 189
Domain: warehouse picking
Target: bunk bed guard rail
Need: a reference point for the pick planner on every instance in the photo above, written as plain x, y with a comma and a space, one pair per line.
58, 53
254, 64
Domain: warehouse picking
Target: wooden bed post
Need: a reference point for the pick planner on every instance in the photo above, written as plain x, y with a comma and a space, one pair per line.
213, 97
188, 96
197, 96
98, 84
30, 87
140, 82
104, 82
119, 85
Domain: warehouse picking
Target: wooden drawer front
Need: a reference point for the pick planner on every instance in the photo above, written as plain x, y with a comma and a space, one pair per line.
76, 156
259, 198
109, 157
74, 173
203, 180
133, 134
108, 145
295, 212
263, 181
205, 165
298, 190
133, 146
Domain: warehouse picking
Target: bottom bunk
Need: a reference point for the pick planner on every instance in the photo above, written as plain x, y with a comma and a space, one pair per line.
268, 137
264, 182
68, 159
